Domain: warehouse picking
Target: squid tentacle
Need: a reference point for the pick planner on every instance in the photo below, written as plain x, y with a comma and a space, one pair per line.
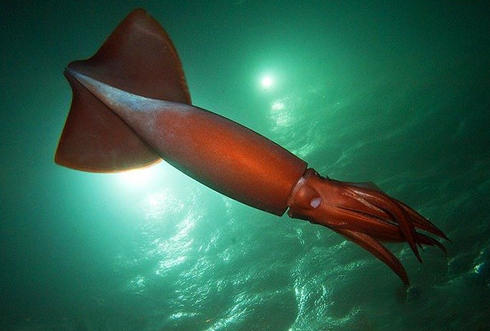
426, 240
375, 227
364, 215
381, 229
378, 250
421, 222
384, 202
418, 220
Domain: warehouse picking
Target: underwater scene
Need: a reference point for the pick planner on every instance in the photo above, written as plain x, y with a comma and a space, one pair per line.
376, 96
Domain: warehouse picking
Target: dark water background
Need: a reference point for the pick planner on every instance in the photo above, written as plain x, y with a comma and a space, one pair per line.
396, 92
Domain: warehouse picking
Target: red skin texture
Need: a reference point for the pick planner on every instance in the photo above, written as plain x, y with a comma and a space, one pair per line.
131, 107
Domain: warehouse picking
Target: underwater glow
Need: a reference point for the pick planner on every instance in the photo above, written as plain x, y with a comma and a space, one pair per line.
137, 284
280, 113
277, 105
138, 178
158, 203
267, 81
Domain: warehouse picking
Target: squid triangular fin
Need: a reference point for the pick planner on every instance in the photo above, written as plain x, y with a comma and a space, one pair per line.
138, 57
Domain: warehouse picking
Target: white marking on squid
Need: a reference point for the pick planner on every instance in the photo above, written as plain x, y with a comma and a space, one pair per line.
315, 202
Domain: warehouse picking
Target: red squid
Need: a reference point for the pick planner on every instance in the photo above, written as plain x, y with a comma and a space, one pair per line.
131, 107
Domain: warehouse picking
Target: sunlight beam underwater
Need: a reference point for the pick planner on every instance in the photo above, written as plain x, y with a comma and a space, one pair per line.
131, 107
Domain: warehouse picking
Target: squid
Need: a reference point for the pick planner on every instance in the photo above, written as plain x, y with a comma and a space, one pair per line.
131, 108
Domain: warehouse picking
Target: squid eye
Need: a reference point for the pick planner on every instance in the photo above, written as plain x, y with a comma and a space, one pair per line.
316, 202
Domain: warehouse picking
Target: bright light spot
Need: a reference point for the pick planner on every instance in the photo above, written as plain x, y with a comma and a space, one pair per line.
138, 178
155, 205
277, 105
267, 81
157, 200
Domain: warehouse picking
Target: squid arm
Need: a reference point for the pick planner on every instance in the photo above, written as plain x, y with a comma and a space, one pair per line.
131, 107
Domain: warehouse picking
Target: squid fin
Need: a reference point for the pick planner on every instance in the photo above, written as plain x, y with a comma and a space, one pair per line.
138, 57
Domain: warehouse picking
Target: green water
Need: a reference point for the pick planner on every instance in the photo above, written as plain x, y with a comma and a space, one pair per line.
394, 92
